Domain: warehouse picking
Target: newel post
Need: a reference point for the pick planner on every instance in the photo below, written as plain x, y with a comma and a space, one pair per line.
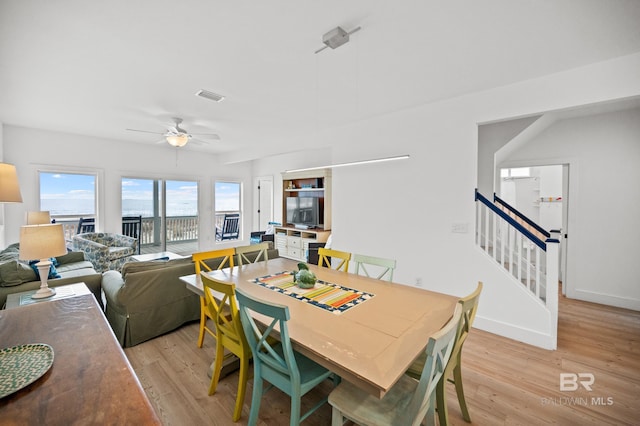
552, 263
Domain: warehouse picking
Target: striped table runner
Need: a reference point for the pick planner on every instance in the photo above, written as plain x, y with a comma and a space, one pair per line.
331, 297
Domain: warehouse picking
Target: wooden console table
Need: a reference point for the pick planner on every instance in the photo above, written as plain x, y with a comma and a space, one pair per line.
90, 381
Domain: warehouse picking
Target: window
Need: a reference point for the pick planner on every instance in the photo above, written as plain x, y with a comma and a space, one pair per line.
516, 172
169, 210
68, 197
226, 201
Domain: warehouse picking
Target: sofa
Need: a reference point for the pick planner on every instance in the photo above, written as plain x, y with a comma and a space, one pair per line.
104, 250
17, 276
147, 299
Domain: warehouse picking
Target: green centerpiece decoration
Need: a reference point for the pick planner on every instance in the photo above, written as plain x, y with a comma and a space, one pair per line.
304, 278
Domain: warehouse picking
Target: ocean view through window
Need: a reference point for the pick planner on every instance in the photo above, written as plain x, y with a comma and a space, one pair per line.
68, 194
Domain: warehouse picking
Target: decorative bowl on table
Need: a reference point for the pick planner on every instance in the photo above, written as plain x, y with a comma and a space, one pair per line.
304, 278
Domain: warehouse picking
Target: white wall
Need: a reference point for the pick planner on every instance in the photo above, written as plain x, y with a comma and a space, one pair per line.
603, 153
405, 209
31, 149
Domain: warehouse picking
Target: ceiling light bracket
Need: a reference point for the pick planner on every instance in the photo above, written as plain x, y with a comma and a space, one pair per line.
336, 38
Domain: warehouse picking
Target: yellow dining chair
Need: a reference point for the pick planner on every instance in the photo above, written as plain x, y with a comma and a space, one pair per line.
207, 311
383, 267
325, 256
409, 401
230, 335
453, 372
262, 255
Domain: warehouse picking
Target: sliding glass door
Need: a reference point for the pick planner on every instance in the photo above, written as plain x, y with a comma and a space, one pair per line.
169, 210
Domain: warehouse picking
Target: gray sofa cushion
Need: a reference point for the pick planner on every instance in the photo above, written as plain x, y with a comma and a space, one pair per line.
13, 272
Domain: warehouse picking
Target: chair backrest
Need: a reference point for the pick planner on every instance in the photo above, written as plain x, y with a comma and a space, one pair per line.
86, 224
228, 330
469, 305
325, 255
439, 349
384, 267
281, 370
261, 248
230, 227
131, 226
225, 254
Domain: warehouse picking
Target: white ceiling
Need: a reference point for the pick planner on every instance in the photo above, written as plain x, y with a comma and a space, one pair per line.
99, 67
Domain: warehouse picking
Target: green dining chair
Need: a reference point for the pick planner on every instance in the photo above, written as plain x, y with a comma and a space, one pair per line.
383, 267
453, 371
278, 364
261, 251
409, 401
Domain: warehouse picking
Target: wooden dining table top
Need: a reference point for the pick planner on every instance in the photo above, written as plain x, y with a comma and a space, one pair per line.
90, 380
371, 344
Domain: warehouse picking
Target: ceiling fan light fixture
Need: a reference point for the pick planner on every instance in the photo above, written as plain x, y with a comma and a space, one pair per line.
209, 95
178, 140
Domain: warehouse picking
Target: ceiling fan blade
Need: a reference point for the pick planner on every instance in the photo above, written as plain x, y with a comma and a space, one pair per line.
213, 136
144, 131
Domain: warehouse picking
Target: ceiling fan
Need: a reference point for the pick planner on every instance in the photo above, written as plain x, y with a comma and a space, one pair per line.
177, 136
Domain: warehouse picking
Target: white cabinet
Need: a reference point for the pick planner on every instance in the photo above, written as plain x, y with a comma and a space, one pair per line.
293, 243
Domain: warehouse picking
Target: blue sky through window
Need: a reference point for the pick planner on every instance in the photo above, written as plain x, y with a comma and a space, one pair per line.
137, 197
227, 196
68, 193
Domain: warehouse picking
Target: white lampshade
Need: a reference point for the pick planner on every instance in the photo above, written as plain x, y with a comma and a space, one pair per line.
178, 140
41, 241
38, 218
9, 188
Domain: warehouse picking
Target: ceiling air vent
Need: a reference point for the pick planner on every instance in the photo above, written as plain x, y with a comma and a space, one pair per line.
209, 95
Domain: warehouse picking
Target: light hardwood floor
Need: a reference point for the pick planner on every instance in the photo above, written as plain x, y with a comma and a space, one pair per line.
505, 382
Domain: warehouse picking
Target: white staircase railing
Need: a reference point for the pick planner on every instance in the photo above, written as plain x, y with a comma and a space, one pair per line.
511, 240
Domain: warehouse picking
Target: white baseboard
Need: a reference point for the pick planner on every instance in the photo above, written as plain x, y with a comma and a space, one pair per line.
531, 337
604, 299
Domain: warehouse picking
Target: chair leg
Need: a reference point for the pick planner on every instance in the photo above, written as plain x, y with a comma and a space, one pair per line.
242, 387
256, 398
295, 409
336, 417
457, 377
217, 367
430, 417
203, 321
441, 401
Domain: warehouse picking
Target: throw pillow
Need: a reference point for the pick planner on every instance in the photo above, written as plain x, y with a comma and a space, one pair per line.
14, 273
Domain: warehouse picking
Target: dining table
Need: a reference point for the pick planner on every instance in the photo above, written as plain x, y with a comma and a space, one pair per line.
369, 337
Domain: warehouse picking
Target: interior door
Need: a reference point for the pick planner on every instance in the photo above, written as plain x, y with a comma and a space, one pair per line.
264, 202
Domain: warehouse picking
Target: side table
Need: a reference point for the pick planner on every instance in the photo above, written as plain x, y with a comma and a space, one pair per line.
62, 292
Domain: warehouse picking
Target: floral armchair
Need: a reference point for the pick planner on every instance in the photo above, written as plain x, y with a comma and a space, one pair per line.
105, 251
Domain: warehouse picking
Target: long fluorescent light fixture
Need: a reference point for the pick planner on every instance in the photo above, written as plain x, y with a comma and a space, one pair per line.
352, 163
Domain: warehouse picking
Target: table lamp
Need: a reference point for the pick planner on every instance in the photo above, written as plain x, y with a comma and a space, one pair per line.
42, 242
9, 188
38, 218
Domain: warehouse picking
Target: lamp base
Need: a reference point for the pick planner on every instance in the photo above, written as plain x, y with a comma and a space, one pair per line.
43, 270
43, 293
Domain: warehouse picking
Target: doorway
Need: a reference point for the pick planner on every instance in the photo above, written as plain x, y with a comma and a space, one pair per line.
263, 202
541, 192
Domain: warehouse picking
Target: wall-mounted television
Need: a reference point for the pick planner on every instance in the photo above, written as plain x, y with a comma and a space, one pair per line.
303, 212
